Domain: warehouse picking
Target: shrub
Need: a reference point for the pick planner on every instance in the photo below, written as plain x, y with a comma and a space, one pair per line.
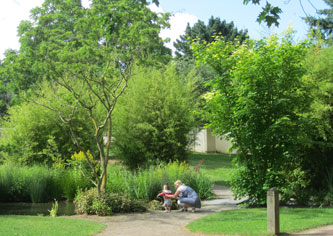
145, 184
158, 205
154, 118
89, 202
33, 134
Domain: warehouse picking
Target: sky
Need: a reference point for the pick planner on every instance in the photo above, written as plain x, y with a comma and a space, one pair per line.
12, 12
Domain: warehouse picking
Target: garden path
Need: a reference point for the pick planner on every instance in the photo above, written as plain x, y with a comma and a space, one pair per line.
156, 223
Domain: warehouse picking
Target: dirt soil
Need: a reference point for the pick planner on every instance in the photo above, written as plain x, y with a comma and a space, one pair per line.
156, 223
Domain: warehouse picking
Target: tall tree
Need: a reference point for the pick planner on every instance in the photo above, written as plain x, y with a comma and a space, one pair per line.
324, 23
206, 33
257, 98
203, 33
90, 53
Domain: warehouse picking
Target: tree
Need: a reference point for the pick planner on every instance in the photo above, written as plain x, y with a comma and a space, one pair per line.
90, 53
318, 157
257, 99
325, 23
206, 33
203, 33
21, 70
154, 117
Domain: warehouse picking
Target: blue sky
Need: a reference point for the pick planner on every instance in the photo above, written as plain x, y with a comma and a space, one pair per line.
244, 17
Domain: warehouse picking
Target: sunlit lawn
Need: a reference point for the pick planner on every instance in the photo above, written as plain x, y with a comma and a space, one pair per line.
217, 166
253, 222
46, 226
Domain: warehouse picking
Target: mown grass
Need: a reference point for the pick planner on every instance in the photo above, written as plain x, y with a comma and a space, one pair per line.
217, 166
39, 225
253, 222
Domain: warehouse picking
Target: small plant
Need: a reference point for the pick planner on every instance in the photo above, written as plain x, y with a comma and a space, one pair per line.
54, 209
89, 202
158, 205
79, 161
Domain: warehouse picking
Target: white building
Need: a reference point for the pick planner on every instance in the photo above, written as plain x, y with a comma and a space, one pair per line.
206, 142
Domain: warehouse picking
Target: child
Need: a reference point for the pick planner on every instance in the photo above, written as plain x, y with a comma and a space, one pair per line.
167, 200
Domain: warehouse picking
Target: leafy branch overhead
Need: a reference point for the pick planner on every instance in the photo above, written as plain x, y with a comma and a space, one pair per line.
269, 14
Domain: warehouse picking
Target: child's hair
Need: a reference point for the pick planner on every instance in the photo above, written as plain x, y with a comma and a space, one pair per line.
166, 186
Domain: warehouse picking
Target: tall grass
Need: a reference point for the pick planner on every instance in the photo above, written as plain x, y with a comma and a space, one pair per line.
38, 183
145, 184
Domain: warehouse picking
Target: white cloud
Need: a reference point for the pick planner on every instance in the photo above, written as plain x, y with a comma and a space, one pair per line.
178, 23
12, 12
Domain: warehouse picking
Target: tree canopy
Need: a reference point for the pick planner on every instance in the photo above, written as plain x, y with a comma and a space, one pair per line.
84, 59
323, 23
202, 32
256, 100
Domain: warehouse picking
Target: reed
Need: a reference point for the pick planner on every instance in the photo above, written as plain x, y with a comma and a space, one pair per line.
145, 184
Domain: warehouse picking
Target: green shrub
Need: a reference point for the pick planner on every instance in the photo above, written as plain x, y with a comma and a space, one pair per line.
153, 119
145, 184
33, 134
158, 205
89, 202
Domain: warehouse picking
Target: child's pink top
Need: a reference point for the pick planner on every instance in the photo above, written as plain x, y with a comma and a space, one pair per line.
165, 194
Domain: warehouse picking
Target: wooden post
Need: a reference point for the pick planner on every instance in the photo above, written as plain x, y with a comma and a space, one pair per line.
273, 213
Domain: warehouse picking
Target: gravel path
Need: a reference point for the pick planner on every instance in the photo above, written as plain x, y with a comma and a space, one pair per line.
156, 223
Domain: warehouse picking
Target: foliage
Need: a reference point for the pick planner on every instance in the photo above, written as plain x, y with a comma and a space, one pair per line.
91, 203
317, 158
257, 99
79, 162
204, 34
158, 204
201, 32
54, 209
38, 184
145, 184
90, 53
33, 134
39, 225
324, 23
154, 118
270, 14
253, 222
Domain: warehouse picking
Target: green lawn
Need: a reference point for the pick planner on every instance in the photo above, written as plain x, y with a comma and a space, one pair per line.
11, 225
254, 221
217, 166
